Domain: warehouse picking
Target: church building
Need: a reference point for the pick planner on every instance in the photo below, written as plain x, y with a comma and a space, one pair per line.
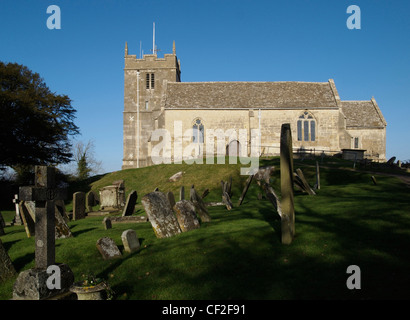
156, 98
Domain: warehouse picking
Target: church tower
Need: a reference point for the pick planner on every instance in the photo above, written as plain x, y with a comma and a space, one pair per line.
145, 82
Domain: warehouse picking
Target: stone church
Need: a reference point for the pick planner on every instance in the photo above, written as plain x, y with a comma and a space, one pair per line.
155, 98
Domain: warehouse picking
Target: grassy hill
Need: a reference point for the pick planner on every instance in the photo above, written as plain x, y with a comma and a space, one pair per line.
238, 255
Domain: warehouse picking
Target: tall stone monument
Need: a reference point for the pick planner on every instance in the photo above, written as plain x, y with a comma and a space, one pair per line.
286, 185
33, 284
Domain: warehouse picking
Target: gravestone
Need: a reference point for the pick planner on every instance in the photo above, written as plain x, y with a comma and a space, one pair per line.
205, 193
62, 229
6, 266
176, 176
28, 222
130, 241
200, 207
129, 219
374, 180
130, 204
286, 185
264, 173
186, 216
245, 190
113, 197
60, 207
272, 197
317, 176
227, 200
31, 209
90, 201
32, 284
107, 223
182, 193
17, 219
160, 214
171, 198
391, 161
305, 184
78, 205
108, 249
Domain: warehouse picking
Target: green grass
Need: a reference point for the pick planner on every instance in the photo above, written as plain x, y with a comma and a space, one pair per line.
238, 255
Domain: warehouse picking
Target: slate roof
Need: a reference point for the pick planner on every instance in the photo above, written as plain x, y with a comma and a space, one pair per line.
248, 95
364, 114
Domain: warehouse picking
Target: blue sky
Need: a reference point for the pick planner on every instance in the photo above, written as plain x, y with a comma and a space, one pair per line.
223, 40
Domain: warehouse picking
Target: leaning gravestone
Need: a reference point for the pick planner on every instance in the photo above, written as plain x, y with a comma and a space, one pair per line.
28, 222
286, 185
108, 248
171, 198
200, 208
160, 214
78, 205
6, 266
32, 284
185, 214
130, 241
130, 204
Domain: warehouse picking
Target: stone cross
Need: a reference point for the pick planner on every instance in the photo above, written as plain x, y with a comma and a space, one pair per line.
17, 219
44, 193
286, 185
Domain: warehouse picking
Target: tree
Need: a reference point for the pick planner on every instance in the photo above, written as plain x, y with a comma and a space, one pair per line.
85, 160
35, 123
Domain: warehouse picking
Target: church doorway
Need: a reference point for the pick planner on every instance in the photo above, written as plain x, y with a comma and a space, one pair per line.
233, 149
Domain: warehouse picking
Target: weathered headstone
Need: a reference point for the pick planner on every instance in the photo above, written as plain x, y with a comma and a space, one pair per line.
28, 222
205, 193
107, 223
90, 201
176, 176
186, 216
108, 249
391, 161
31, 284
17, 219
245, 190
227, 200
182, 193
60, 207
130, 241
272, 197
160, 214
263, 174
200, 207
317, 176
31, 209
129, 219
130, 204
6, 266
62, 229
78, 205
171, 198
286, 183
304, 182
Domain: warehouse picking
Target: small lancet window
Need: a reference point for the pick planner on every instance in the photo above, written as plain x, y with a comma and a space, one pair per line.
198, 131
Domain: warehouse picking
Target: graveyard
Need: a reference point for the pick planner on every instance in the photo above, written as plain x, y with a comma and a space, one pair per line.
354, 216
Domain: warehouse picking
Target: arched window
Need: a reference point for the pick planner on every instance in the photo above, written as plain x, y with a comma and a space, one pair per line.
198, 131
306, 127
